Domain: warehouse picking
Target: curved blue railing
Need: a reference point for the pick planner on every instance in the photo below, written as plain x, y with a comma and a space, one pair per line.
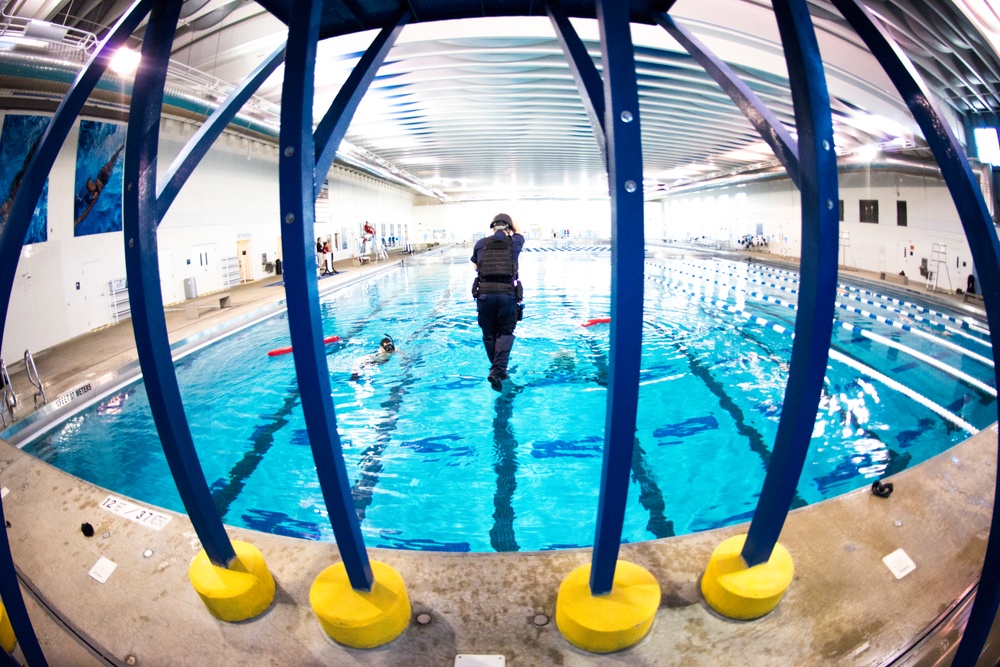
304, 158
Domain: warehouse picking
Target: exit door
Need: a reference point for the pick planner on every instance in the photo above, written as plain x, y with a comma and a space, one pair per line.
203, 268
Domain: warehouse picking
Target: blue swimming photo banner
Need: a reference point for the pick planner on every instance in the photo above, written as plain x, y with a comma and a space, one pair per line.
97, 203
18, 140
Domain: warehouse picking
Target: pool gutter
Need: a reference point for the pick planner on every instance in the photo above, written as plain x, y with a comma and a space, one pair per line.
844, 607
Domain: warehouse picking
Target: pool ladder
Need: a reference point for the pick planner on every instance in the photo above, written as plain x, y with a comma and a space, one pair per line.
9, 396
34, 379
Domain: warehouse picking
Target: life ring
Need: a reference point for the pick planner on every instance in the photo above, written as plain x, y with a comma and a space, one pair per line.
285, 350
596, 320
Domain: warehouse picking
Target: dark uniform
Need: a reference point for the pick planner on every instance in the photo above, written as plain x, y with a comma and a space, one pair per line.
495, 290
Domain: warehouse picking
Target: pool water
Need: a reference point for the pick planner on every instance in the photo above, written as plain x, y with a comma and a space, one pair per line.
440, 461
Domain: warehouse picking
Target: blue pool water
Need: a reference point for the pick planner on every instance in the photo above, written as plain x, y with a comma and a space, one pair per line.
438, 460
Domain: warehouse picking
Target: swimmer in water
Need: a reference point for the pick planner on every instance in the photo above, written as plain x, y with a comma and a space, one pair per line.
386, 348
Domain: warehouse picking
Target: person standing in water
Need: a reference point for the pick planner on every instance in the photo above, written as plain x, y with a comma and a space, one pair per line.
497, 293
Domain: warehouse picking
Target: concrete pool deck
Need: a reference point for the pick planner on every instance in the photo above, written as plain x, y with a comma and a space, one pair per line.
844, 607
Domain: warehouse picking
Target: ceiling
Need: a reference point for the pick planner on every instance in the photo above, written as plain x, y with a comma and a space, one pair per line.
487, 108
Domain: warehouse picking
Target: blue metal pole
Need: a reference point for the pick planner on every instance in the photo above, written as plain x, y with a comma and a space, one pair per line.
198, 146
621, 126
588, 79
985, 248
13, 602
818, 283
12, 234
140, 220
333, 127
771, 129
296, 178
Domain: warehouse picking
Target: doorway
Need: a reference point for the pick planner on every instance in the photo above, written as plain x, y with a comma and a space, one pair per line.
243, 256
94, 291
203, 269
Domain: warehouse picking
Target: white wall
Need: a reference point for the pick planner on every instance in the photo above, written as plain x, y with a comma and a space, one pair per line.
537, 219
61, 287
730, 212
355, 199
228, 198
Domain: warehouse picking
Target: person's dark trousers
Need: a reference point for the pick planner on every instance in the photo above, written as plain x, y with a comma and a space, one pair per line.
497, 319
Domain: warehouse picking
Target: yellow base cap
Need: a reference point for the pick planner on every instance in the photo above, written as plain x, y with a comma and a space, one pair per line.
361, 619
243, 590
606, 623
737, 591
7, 638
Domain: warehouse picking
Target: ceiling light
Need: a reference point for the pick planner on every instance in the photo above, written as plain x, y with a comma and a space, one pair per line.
867, 153
50, 32
125, 61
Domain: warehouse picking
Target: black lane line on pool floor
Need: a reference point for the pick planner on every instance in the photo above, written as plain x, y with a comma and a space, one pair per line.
370, 464
897, 460
754, 437
225, 493
650, 495
505, 454
262, 439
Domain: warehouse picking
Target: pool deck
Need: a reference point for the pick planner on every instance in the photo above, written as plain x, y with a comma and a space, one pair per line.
844, 606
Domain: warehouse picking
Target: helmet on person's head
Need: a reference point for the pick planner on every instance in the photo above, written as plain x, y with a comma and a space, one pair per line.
501, 221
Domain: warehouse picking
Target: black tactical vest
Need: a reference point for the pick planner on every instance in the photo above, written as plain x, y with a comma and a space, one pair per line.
496, 261
497, 268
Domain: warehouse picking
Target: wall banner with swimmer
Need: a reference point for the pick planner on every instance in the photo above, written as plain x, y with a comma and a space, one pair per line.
97, 205
18, 141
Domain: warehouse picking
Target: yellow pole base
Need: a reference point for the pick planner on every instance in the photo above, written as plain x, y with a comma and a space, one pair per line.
606, 623
737, 591
243, 590
361, 619
7, 638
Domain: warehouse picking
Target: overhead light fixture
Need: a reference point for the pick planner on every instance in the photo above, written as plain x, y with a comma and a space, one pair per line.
50, 32
125, 61
867, 153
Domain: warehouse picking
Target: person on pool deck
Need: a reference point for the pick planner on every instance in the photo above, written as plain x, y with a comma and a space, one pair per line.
496, 291
328, 259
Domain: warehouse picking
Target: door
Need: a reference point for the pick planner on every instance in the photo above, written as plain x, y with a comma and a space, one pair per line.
170, 281
94, 294
243, 256
204, 269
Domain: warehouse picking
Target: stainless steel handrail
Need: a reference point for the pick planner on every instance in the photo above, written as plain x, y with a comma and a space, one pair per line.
33, 378
9, 396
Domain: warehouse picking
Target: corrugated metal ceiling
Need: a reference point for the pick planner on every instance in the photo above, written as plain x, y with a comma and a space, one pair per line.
487, 107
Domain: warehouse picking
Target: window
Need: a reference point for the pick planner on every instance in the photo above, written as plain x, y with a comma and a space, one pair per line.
841, 210
901, 213
987, 145
869, 210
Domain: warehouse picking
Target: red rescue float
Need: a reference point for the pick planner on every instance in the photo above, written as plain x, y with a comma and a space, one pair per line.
596, 320
285, 350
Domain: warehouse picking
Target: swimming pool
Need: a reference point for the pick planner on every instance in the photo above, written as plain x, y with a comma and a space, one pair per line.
440, 461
